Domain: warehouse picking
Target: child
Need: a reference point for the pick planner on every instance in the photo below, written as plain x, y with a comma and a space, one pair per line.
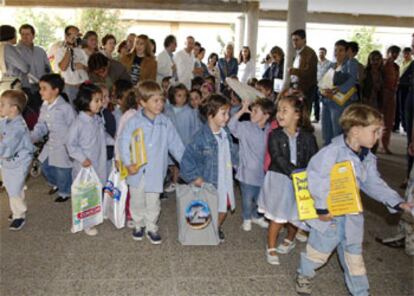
119, 88
206, 90
86, 140
195, 98
16, 153
265, 86
160, 138
185, 119
56, 116
362, 128
252, 138
211, 154
165, 85
291, 146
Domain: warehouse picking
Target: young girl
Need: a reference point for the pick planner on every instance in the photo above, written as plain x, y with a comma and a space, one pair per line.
252, 137
291, 146
211, 154
119, 88
56, 116
195, 98
16, 153
86, 140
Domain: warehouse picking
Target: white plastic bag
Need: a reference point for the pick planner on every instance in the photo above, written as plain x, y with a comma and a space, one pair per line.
86, 200
115, 196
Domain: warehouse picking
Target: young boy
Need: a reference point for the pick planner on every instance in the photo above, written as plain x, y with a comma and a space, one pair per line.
252, 140
16, 153
160, 138
265, 86
362, 128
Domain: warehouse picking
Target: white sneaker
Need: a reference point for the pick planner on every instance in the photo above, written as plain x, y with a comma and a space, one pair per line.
170, 188
286, 246
301, 236
261, 222
247, 225
272, 259
130, 224
91, 231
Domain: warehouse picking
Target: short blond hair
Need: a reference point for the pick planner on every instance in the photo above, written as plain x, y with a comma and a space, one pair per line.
16, 97
359, 115
148, 88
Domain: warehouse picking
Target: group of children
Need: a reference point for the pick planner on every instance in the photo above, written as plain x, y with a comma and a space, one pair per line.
194, 132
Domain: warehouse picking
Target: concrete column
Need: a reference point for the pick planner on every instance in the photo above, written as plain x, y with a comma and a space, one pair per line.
296, 19
240, 31
252, 28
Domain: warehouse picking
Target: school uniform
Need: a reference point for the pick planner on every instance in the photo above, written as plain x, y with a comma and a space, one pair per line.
343, 232
16, 154
160, 139
54, 121
86, 140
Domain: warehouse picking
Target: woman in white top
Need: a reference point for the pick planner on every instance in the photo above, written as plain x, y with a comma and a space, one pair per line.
246, 66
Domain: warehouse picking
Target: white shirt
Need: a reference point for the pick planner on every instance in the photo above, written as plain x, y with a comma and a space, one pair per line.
296, 64
164, 64
185, 65
73, 77
246, 71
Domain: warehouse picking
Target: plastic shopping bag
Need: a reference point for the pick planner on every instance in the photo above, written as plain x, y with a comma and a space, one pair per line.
86, 200
115, 196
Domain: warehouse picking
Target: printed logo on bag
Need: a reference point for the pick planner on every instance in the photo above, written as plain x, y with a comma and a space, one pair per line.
112, 191
198, 214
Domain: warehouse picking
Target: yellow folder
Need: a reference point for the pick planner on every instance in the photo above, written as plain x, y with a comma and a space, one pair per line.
343, 198
138, 152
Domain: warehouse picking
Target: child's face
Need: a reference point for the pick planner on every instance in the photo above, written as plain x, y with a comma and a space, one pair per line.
366, 136
286, 115
165, 85
96, 103
48, 93
264, 91
234, 100
195, 100
7, 109
220, 119
153, 106
139, 46
180, 97
105, 98
257, 115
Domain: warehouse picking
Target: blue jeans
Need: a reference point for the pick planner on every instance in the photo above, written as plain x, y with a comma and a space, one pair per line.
331, 112
59, 177
249, 193
321, 245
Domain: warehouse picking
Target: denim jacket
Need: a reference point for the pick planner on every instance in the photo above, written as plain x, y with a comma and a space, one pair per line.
200, 157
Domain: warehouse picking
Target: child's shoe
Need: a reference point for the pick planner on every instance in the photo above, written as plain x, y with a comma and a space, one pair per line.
303, 285
170, 188
130, 224
10, 218
62, 199
286, 246
17, 224
301, 236
221, 234
261, 222
53, 190
272, 259
91, 231
138, 234
247, 225
154, 237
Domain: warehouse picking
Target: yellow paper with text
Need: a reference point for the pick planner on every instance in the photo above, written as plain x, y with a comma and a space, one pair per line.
306, 208
138, 152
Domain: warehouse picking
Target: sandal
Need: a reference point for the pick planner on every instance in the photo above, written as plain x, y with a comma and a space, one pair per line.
286, 246
272, 259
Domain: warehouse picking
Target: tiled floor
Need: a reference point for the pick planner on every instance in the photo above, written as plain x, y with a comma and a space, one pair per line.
46, 259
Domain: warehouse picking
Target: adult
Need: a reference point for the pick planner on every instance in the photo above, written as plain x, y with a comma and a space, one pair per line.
200, 69
105, 70
131, 41
352, 52
391, 74
305, 67
108, 45
184, 60
228, 65
372, 83
140, 63
246, 65
323, 66
213, 69
122, 50
153, 46
72, 62
90, 43
12, 66
275, 71
165, 60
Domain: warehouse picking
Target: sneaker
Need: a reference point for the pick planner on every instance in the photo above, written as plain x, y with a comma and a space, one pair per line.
303, 285
221, 235
394, 242
302, 236
138, 234
17, 224
261, 222
62, 199
272, 259
247, 225
91, 231
130, 224
286, 246
53, 190
170, 188
154, 237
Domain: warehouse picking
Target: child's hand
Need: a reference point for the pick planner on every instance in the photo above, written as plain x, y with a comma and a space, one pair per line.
132, 169
198, 182
245, 106
86, 163
117, 165
406, 206
326, 217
